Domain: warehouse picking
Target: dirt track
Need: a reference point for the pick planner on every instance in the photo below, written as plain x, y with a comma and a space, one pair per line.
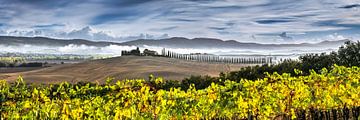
121, 68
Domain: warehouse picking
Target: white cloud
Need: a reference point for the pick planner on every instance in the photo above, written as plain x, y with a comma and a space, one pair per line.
191, 18
303, 16
336, 36
84, 33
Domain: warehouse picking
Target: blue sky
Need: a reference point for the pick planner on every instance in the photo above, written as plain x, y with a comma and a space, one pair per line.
263, 21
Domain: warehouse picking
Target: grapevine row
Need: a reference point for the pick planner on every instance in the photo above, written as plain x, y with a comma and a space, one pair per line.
330, 94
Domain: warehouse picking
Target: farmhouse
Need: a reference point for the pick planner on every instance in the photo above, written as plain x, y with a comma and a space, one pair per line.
148, 52
137, 52
132, 52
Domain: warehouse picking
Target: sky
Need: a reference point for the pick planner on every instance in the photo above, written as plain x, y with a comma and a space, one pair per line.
261, 21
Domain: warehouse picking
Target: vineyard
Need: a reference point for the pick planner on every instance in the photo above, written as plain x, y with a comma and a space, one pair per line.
331, 94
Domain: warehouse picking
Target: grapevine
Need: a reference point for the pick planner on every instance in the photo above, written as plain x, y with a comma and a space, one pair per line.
332, 93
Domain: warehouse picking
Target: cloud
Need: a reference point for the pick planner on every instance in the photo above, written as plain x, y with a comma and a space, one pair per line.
273, 21
166, 28
2, 32
84, 33
350, 6
183, 20
225, 19
48, 26
336, 36
285, 37
125, 15
218, 28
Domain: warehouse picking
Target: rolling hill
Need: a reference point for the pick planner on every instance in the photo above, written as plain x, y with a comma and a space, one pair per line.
205, 43
126, 67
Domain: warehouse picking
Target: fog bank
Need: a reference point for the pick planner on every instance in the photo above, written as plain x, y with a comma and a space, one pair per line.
115, 50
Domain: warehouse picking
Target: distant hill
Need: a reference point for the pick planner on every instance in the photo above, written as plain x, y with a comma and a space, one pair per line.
175, 42
179, 42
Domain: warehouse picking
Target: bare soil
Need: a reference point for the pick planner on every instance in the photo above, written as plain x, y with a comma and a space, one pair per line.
17, 69
120, 68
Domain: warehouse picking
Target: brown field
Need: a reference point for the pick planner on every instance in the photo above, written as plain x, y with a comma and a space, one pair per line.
127, 67
18, 69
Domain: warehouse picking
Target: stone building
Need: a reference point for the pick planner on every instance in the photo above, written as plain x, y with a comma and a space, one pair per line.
132, 52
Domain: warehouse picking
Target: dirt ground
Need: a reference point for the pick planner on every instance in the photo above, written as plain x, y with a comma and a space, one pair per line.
126, 67
18, 69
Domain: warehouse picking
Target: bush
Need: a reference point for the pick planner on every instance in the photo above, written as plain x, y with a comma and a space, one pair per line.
349, 55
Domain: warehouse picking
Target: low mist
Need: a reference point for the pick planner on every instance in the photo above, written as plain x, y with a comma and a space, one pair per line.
115, 50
